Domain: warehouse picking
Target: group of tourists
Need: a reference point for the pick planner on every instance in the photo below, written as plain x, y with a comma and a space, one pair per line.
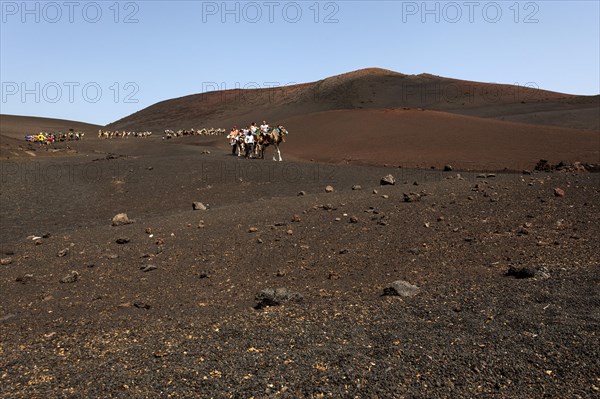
252, 140
45, 138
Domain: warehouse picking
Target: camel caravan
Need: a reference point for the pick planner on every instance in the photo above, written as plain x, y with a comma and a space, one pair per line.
253, 140
108, 134
169, 134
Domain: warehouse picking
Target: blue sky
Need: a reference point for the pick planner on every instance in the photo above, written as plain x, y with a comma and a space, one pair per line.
100, 61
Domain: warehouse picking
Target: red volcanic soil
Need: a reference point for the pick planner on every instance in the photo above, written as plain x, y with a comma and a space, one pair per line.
412, 138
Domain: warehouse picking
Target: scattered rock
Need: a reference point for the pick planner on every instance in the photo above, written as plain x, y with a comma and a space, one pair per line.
296, 219
290, 232
333, 276
252, 230
412, 197
385, 196
353, 219
148, 268
448, 168
415, 251
528, 272
387, 180
344, 251
401, 288
25, 278
356, 187
70, 278
141, 305
558, 192
275, 297
301, 193
329, 189
122, 240
148, 230
204, 275
375, 192
5, 261
198, 206
121, 219
280, 273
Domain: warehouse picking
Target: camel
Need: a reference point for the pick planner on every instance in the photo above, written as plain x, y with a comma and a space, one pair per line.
275, 137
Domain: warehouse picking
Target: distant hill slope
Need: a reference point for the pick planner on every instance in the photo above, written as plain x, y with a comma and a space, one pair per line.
371, 88
16, 126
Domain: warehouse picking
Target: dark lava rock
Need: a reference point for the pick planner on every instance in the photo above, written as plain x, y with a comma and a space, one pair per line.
122, 240
401, 288
24, 278
141, 305
70, 278
275, 297
448, 168
387, 180
527, 272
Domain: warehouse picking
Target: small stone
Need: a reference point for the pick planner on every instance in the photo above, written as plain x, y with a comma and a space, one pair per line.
148, 230
301, 193
5, 261
252, 230
414, 251
388, 180
24, 278
280, 273
385, 196
375, 192
121, 219
412, 197
141, 305
296, 219
558, 192
259, 240
344, 251
290, 232
122, 240
62, 252
401, 288
329, 189
198, 206
148, 268
448, 168
275, 297
353, 219
70, 278
520, 273
204, 275
356, 187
